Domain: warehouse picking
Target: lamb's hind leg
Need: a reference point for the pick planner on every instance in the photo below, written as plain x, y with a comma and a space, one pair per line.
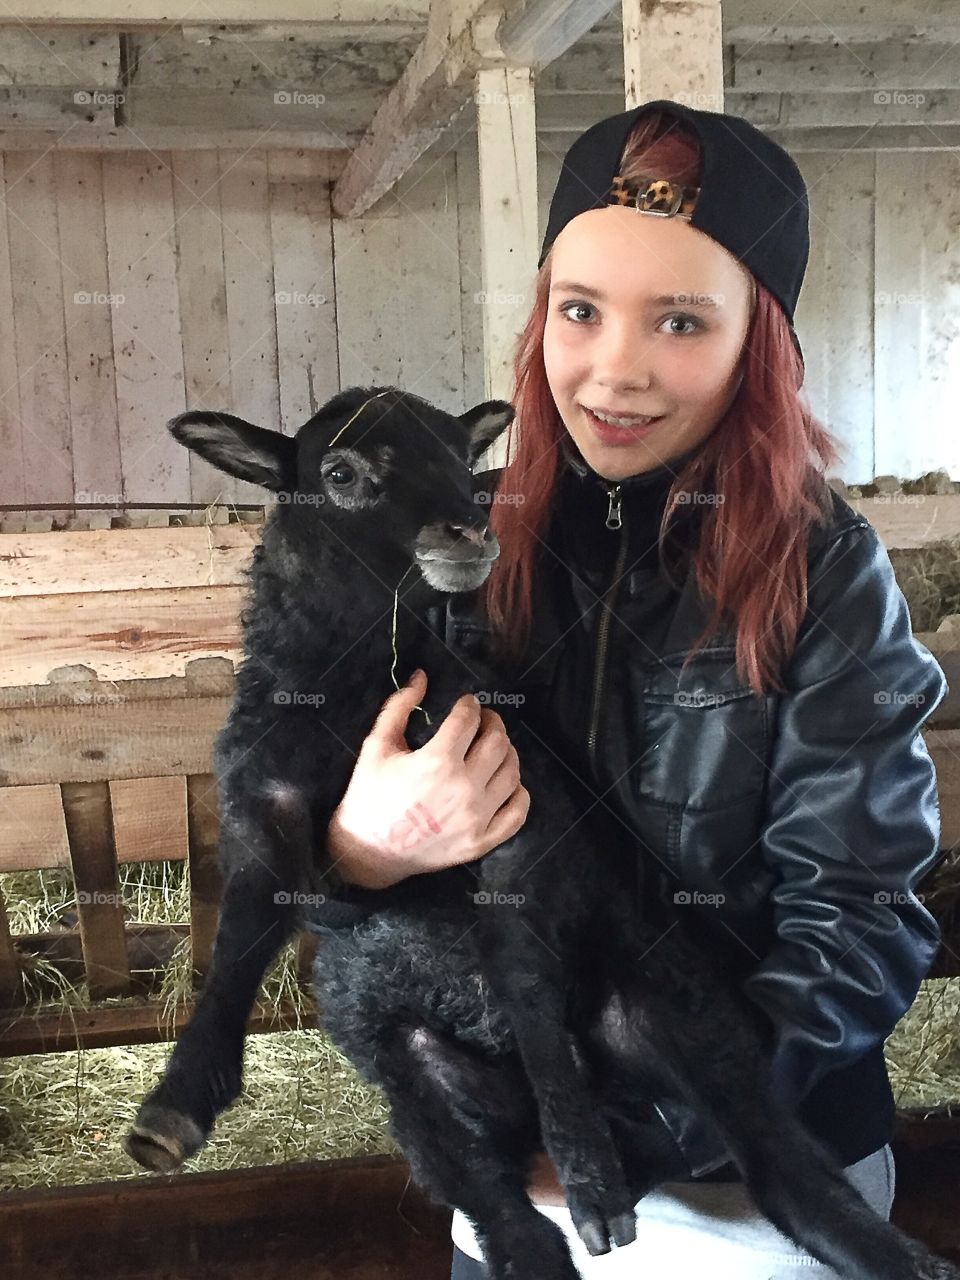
527, 976
790, 1174
468, 1128
205, 1072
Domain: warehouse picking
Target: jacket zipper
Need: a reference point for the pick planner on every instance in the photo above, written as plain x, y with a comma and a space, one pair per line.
614, 521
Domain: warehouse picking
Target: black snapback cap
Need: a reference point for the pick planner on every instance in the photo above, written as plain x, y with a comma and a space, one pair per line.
751, 199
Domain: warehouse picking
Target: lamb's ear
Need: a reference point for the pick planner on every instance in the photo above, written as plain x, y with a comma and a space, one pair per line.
486, 421
251, 453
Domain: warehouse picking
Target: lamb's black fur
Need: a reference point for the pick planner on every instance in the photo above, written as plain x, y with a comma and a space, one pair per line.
524, 1001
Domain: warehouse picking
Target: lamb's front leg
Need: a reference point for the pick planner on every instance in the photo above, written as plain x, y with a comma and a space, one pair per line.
258, 914
528, 980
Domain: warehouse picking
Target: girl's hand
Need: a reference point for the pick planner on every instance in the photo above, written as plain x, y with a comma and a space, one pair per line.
453, 800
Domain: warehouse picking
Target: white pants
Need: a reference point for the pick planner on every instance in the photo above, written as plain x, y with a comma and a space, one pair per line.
687, 1230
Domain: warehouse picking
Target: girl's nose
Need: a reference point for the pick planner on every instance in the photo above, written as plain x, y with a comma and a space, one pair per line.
622, 362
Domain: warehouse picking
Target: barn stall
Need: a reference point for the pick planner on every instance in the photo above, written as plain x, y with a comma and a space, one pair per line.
249, 213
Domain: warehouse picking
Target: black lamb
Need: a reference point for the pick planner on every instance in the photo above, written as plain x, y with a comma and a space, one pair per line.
537, 998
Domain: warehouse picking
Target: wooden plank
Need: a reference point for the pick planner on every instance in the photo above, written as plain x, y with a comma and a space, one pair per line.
149, 819
12, 477
254, 390
124, 559
174, 13
95, 434
81, 59
38, 280
206, 881
431, 362
87, 743
147, 339
837, 338
203, 303
354, 1219
11, 988
149, 632
905, 520
86, 811
104, 1028
150, 948
369, 296
673, 49
305, 297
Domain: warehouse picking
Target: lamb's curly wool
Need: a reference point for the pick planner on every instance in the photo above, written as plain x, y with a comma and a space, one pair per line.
540, 997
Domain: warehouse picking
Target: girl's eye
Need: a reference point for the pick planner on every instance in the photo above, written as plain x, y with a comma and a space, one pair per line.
565, 307
681, 316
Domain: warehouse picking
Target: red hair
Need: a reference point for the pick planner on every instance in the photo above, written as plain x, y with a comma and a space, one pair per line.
765, 460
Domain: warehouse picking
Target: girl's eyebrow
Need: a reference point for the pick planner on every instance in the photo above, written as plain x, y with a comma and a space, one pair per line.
689, 298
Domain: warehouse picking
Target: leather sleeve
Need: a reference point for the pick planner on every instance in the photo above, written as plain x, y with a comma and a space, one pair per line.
852, 823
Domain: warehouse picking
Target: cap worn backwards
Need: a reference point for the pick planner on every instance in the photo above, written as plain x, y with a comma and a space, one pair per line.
751, 196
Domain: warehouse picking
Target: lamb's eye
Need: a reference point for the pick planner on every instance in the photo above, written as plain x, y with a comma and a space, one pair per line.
342, 474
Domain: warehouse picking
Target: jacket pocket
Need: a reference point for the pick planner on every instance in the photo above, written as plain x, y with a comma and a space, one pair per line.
704, 731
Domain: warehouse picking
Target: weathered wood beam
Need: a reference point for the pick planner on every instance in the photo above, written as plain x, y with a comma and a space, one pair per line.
673, 49
438, 81
175, 13
548, 28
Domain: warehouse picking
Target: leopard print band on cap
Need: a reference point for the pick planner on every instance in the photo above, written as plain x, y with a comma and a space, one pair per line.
654, 195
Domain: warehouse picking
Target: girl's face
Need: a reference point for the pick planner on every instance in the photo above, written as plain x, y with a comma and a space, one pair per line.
646, 318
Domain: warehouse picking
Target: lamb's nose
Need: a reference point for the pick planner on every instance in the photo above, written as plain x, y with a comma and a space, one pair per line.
471, 532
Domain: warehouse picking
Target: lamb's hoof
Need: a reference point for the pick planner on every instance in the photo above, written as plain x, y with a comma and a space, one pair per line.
162, 1139
597, 1231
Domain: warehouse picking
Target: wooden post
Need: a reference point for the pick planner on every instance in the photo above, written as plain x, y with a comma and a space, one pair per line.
673, 49
509, 243
93, 855
206, 881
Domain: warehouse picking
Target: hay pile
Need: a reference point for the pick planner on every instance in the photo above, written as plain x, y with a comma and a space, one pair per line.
63, 1115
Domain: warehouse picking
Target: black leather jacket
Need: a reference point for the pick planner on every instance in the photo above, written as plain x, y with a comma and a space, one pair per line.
797, 825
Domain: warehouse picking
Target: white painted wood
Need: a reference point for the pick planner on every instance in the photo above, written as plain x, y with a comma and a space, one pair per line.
147, 341
835, 311
82, 58
203, 303
509, 247
471, 279
330, 154
12, 479
94, 430
369, 285
428, 314
38, 282
304, 294
673, 49
917, 322
248, 283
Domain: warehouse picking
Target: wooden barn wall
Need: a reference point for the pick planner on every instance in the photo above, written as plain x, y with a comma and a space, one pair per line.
134, 285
